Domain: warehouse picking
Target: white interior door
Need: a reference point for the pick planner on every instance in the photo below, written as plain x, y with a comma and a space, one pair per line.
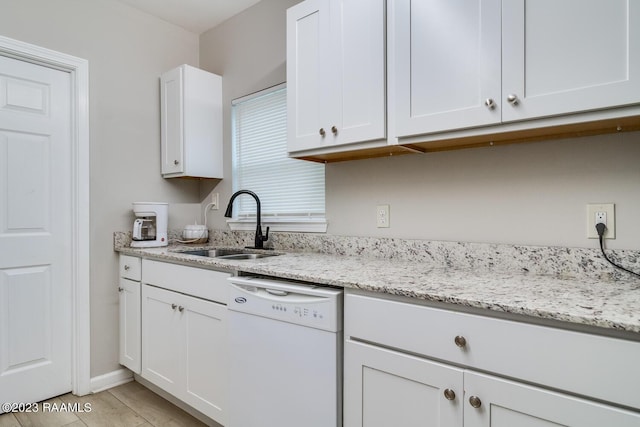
35, 232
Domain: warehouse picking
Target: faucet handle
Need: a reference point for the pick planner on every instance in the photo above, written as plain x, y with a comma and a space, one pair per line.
266, 235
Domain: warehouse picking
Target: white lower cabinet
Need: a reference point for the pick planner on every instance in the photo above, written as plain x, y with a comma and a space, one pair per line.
504, 403
184, 348
392, 377
184, 334
129, 312
385, 388
129, 299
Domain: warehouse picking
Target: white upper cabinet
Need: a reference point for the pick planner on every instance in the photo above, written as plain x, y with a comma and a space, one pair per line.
191, 123
473, 63
569, 56
335, 73
447, 64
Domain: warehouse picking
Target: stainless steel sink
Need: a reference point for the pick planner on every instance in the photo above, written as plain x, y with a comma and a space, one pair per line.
227, 253
246, 256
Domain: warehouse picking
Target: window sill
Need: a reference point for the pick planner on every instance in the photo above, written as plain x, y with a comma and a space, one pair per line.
315, 225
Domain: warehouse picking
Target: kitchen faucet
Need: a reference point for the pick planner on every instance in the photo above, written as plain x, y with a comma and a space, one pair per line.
259, 239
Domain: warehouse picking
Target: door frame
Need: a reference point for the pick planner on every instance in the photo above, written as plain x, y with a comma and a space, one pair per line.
80, 243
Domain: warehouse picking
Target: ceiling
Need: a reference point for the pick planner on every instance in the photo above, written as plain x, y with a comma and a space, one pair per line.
196, 16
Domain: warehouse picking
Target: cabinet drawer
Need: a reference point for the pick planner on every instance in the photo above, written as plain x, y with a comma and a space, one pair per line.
130, 267
198, 282
591, 365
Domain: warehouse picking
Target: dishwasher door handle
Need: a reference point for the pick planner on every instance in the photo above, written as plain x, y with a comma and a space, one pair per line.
276, 292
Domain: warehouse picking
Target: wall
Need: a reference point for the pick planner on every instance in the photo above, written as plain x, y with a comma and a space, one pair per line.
529, 194
248, 51
127, 50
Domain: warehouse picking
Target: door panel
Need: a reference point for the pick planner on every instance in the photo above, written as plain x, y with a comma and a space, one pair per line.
447, 63
583, 56
172, 134
384, 388
25, 287
27, 189
506, 404
360, 63
35, 231
161, 338
205, 356
307, 26
130, 318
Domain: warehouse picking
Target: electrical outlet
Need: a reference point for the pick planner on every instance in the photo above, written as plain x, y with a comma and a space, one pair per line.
601, 213
215, 198
382, 216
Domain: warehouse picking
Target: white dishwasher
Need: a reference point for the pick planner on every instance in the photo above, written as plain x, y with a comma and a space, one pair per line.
285, 354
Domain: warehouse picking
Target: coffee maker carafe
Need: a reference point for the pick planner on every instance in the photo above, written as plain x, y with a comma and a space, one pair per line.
150, 225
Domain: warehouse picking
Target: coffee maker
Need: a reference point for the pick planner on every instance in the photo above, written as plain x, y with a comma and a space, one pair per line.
150, 225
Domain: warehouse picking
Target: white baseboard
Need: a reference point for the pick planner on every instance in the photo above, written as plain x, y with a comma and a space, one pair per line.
110, 379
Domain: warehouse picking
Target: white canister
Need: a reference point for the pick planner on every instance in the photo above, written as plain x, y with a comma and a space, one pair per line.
196, 232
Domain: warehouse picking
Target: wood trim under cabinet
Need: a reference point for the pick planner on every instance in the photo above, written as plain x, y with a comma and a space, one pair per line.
562, 131
624, 124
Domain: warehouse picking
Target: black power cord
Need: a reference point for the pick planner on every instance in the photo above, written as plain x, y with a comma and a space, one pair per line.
600, 228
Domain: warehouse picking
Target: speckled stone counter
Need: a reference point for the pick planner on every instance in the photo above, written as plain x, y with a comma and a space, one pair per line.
595, 299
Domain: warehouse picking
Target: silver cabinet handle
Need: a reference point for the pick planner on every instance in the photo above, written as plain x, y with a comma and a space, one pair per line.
322, 132
126, 268
334, 130
173, 306
490, 103
175, 162
460, 341
513, 99
475, 401
449, 394
180, 309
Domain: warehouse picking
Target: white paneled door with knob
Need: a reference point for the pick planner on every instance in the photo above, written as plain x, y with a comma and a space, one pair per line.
35, 232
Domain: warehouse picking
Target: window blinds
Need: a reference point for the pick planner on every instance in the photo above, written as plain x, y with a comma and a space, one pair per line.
288, 188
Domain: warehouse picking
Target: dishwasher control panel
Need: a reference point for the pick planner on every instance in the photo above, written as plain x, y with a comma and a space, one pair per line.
307, 305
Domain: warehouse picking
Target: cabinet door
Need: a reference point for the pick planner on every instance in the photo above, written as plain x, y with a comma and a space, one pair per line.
130, 339
505, 403
172, 114
205, 356
308, 69
384, 388
335, 73
446, 64
358, 58
161, 338
569, 56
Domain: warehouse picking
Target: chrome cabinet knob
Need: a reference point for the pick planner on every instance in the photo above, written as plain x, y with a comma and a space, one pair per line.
449, 394
334, 130
475, 401
460, 341
490, 103
322, 132
513, 99
173, 306
175, 162
126, 268
180, 309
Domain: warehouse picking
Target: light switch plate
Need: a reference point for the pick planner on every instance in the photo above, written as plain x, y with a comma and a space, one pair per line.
382, 216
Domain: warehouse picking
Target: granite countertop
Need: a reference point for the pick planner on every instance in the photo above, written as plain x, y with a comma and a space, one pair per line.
613, 304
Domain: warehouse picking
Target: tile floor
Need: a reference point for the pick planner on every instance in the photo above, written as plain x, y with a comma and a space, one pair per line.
128, 405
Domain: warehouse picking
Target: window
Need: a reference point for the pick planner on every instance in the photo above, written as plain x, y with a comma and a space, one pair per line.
291, 191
